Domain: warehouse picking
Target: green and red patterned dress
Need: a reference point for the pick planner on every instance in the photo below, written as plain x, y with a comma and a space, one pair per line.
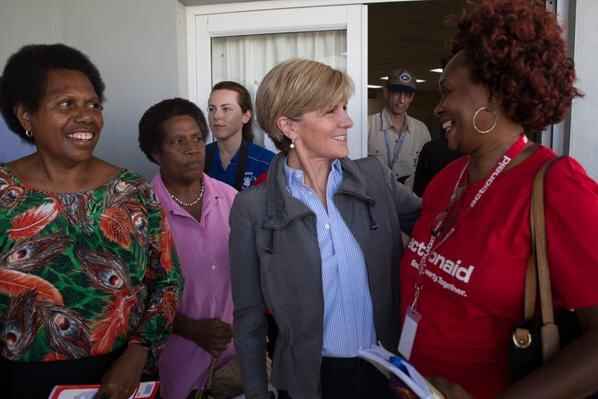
83, 274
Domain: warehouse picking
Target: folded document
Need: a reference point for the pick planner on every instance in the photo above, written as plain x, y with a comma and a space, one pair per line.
408, 382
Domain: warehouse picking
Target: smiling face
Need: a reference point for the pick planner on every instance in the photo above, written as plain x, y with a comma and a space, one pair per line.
322, 134
67, 124
182, 152
460, 98
225, 115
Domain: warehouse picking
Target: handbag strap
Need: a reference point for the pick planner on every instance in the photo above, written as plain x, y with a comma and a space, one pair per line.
208, 384
207, 165
241, 163
538, 271
531, 284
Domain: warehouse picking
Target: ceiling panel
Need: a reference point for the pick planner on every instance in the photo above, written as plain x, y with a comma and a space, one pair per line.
410, 35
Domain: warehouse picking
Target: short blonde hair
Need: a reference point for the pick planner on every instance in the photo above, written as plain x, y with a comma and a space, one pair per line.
294, 87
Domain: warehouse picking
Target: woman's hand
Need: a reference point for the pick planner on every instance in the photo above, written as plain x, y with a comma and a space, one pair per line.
212, 335
449, 390
122, 378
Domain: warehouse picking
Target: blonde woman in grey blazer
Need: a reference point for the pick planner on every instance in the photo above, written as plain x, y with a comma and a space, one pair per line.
319, 244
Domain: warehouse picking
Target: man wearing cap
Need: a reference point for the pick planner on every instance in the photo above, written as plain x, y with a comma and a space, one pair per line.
393, 136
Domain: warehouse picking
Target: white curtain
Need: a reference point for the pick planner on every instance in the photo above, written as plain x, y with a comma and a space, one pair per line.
246, 59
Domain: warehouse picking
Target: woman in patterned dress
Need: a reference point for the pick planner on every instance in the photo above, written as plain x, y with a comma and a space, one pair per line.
89, 280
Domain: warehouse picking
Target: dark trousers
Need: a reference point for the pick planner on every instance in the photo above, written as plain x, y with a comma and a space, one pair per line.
349, 378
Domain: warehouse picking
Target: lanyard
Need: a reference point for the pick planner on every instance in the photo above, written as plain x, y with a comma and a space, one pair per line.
392, 159
437, 230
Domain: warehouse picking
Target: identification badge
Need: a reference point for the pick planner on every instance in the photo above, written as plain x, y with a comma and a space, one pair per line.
408, 332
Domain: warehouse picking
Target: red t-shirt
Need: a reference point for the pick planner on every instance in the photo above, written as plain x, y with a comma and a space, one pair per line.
474, 282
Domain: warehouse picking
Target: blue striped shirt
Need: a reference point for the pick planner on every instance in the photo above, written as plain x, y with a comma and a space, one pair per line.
348, 315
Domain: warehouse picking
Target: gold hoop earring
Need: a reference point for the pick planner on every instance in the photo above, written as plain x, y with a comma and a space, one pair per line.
28, 133
475, 116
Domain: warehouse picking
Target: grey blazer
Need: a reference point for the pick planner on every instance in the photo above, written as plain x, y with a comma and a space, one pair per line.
275, 261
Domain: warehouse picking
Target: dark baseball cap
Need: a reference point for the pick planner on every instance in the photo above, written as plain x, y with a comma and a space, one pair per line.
401, 80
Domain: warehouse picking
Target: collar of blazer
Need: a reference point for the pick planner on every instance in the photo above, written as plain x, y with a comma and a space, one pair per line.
283, 208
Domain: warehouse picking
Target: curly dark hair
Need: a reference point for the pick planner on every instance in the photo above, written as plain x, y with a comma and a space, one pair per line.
26, 73
515, 48
151, 124
244, 100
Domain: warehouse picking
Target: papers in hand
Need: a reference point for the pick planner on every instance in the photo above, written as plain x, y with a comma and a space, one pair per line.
413, 385
145, 390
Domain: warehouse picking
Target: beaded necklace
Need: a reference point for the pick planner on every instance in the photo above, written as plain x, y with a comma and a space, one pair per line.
192, 203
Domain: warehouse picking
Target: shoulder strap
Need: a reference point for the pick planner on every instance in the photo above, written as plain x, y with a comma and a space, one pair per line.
242, 164
207, 166
549, 331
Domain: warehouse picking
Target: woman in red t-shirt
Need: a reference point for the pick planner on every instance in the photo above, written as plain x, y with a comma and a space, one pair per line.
462, 276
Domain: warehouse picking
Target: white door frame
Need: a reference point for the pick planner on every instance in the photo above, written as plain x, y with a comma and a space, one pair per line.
557, 136
206, 22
